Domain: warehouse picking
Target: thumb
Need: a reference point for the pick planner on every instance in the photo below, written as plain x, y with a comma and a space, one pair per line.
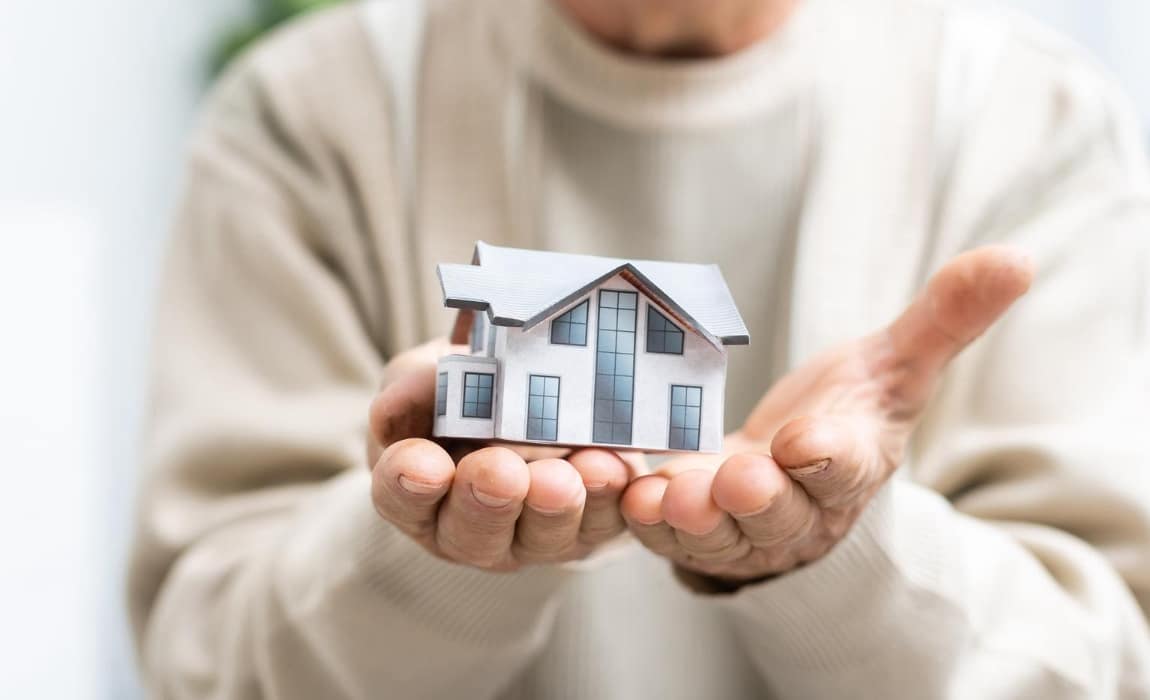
960, 302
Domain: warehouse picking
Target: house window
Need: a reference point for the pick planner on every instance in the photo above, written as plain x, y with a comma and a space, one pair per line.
615, 367
571, 327
686, 406
477, 391
543, 408
441, 394
478, 326
663, 335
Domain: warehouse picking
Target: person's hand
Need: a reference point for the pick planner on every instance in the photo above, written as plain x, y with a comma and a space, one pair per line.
490, 507
823, 440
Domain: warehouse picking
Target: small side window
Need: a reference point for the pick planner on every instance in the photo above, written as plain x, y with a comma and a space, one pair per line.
571, 327
663, 336
441, 394
478, 388
686, 409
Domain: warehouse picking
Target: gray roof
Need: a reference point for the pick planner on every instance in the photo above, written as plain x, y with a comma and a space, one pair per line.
525, 287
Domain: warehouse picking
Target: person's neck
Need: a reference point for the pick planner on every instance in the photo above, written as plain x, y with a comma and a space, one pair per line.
680, 29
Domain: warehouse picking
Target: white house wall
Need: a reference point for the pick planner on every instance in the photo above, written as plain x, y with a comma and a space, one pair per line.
525, 353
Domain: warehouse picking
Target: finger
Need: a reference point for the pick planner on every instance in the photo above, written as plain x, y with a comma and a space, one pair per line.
835, 460
771, 510
476, 523
960, 303
408, 482
704, 531
642, 509
403, 407
604, 476
548, 528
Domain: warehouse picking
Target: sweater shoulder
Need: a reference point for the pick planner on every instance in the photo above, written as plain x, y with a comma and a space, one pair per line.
310, 88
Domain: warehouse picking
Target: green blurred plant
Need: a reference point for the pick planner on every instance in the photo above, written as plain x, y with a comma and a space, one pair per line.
266, 15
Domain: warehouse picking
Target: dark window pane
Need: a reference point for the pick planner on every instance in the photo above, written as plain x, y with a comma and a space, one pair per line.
625, 364
606, 340
607, 362
604, 386
578, 334
602, 431
662, 334
603, 409
571, 327
623, 386
625, 343
560, 332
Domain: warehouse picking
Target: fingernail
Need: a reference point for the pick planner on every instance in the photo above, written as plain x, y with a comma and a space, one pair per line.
489, 500
418, 488
810, 469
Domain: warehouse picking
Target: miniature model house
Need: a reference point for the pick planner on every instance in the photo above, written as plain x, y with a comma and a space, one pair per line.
582, 350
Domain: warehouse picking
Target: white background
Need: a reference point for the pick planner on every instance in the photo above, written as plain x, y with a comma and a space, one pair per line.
94, 101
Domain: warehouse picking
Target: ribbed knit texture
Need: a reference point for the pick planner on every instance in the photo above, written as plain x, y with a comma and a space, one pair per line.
1007, 558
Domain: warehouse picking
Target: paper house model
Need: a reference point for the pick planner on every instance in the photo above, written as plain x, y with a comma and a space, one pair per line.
581, 350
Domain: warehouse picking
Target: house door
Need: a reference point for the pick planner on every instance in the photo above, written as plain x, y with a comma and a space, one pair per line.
615, 367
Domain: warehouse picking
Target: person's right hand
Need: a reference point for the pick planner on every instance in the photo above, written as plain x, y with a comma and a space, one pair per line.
486, 506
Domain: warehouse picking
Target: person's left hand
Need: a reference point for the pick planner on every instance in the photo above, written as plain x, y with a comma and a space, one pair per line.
823, 440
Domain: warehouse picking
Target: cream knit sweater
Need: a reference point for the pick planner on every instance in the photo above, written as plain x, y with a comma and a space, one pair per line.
828, 170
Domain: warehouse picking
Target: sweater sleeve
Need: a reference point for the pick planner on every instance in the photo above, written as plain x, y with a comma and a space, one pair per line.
260, 568
1011, 556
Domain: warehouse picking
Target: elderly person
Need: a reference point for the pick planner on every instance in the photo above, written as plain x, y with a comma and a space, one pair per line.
903, 509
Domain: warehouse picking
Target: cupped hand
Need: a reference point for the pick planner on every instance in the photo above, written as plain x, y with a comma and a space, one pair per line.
824, 439
490, 507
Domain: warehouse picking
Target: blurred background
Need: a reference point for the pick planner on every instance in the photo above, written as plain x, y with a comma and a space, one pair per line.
95, 102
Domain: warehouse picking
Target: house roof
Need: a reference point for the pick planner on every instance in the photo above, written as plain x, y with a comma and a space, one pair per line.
519, 287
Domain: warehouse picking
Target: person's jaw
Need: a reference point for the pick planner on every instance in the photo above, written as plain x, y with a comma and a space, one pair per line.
680, 28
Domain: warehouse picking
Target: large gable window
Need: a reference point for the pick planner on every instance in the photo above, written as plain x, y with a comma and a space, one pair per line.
571, 327
663, 336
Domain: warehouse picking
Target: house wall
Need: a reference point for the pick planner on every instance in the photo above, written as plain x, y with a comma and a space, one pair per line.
525, 353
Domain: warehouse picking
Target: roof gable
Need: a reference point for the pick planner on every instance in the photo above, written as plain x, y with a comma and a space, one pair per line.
525, 287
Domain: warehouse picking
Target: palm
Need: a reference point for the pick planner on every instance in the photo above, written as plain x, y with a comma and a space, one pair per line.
824, 439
